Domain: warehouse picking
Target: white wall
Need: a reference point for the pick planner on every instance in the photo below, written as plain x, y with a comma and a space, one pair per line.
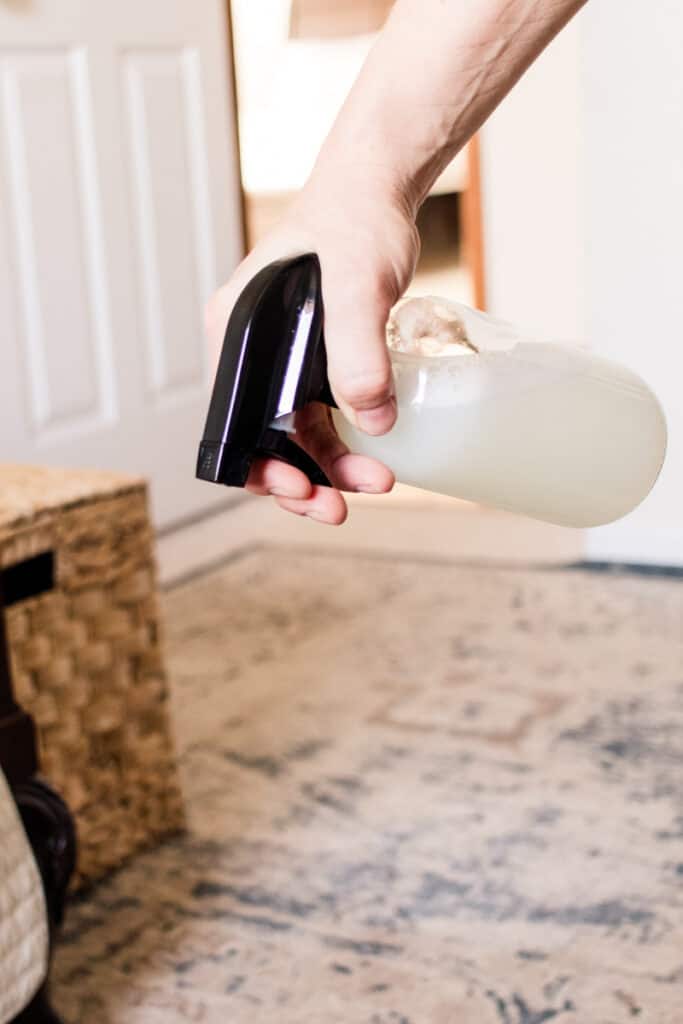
632, 98
583, 194
530, 170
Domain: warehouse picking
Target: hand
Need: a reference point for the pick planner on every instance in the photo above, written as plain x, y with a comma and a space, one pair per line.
367, 242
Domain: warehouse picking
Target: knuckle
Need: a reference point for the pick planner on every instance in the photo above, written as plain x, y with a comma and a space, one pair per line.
365, 388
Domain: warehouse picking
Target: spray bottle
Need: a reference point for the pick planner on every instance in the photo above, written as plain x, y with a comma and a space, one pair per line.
485, 413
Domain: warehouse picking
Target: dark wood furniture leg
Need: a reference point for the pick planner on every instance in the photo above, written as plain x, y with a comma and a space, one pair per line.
48, 823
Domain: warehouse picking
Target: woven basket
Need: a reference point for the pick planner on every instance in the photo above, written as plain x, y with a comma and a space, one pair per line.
86, 656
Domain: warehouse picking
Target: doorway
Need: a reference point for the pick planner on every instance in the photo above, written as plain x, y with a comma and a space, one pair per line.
280, 47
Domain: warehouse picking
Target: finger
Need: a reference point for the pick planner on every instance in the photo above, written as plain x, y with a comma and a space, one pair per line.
348, 472
326, 505
361, 474
358, 360
316, 434
270, 476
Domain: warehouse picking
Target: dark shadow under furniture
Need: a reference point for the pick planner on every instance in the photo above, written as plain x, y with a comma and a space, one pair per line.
46, 818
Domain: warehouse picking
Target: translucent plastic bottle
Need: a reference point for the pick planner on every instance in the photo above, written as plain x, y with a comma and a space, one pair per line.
539, 428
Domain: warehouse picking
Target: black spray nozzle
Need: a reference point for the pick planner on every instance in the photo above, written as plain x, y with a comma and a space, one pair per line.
273, 362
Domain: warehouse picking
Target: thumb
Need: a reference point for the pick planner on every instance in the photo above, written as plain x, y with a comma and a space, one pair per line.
359, 366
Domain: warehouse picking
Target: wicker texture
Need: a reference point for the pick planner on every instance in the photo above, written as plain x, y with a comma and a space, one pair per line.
86, 656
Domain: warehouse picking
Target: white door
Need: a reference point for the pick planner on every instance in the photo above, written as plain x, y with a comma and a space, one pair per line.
120, 211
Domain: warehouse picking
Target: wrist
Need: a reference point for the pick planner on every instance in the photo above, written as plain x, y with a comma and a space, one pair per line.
354, 166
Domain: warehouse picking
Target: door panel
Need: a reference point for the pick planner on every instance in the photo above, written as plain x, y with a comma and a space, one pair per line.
120, 213
57, 241
174, 235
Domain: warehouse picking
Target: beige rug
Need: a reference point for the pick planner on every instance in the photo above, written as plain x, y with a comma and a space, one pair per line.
417, 794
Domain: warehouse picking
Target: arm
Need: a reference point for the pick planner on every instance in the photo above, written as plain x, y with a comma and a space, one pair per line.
436, 72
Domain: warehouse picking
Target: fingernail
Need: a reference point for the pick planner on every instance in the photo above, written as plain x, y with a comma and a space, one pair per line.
368, 489
374, 421
314, 514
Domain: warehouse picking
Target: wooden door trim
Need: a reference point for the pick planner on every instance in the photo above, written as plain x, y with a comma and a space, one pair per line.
473, 223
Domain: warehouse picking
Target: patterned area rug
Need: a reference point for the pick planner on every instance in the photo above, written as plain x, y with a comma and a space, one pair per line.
417, 794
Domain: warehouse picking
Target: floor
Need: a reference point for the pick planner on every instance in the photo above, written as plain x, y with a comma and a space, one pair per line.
407, 522
418, 792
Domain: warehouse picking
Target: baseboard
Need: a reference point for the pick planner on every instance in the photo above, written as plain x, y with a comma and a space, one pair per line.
636, 544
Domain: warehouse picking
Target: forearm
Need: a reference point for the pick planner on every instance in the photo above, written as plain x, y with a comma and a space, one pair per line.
436, 72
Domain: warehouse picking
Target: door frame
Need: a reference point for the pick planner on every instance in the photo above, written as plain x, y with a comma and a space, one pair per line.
473, 223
